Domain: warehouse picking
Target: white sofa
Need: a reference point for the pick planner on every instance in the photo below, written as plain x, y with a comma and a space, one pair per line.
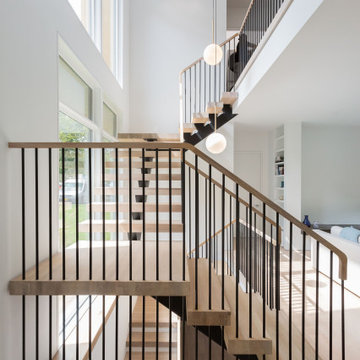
351, 250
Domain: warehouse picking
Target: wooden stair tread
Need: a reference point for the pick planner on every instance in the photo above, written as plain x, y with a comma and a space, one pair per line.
149, 355
139, 177
150, 338
200, 118
143, 137
229, 98
110, 286
124, 154
189, 128
136, 191
243, 345
202, 315
214, 107
136, 207
124, 225
147, 164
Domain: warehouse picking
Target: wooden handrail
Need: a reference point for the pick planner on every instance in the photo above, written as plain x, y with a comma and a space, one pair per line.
201, 58
186, 146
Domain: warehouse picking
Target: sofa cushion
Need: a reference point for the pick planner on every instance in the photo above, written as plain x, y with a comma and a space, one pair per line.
351, 234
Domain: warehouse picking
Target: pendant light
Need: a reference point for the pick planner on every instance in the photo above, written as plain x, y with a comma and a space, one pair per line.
216, 142
213, 53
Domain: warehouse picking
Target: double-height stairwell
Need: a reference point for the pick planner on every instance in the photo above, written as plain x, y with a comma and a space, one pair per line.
164, 254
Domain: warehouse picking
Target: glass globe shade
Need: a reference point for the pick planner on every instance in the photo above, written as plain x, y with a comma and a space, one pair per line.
213, 54
216, 143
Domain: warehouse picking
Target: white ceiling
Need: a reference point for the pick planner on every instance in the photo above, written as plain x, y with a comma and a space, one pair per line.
317, 78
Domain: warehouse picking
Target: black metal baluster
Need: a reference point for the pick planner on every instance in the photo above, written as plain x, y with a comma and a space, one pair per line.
117, 250
263, 269
37, 251
130, 317
277, 284
103, 248
196, 232
143, 329
63, 245
143, 216
206, 216
190, 213
50, 251
342, 320
23, 247
290, 289
90, 251
214, 227
223, 243
331, 306
183, 206
77, 244
157, 330
317, 302
157, 210
130, 216
250, 265
237, 229
210, 236
271, 270
303, 299
170, 217
170, 329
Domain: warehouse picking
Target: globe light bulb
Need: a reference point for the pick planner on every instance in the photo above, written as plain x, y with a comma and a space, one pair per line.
213, 54
216, 143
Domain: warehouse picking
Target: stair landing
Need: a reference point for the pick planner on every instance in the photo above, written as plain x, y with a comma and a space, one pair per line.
97, 286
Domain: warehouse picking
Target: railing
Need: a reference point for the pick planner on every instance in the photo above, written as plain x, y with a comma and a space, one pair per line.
264, 252
200, 83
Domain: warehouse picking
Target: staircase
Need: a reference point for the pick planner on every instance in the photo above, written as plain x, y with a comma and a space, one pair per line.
200, 249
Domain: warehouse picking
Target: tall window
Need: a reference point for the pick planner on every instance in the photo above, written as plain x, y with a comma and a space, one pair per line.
109, 121
101, 18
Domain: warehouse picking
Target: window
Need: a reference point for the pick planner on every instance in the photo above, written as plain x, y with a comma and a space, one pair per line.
109, 121
101, 19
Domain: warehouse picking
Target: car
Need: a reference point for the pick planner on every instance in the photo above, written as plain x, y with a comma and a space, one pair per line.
70, 190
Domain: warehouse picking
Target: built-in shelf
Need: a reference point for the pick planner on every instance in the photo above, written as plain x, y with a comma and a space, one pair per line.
279, 165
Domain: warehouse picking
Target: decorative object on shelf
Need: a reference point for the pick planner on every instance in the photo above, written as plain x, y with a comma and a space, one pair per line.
281, 197
307, 221
216, 143
315, 225
282, 184
213, 53
279, 158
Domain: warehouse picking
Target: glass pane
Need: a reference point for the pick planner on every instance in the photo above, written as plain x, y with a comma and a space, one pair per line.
107, 32
109, 120
72, 131
82, 10
73, 91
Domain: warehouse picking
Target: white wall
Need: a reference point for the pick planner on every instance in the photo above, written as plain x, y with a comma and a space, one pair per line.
331, 172
166, 36
236, 11
29, 112
250, 140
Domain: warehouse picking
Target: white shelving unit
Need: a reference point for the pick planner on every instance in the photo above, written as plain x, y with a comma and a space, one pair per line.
279, 166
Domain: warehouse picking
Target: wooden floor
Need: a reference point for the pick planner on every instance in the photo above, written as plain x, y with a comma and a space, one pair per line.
110, 286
